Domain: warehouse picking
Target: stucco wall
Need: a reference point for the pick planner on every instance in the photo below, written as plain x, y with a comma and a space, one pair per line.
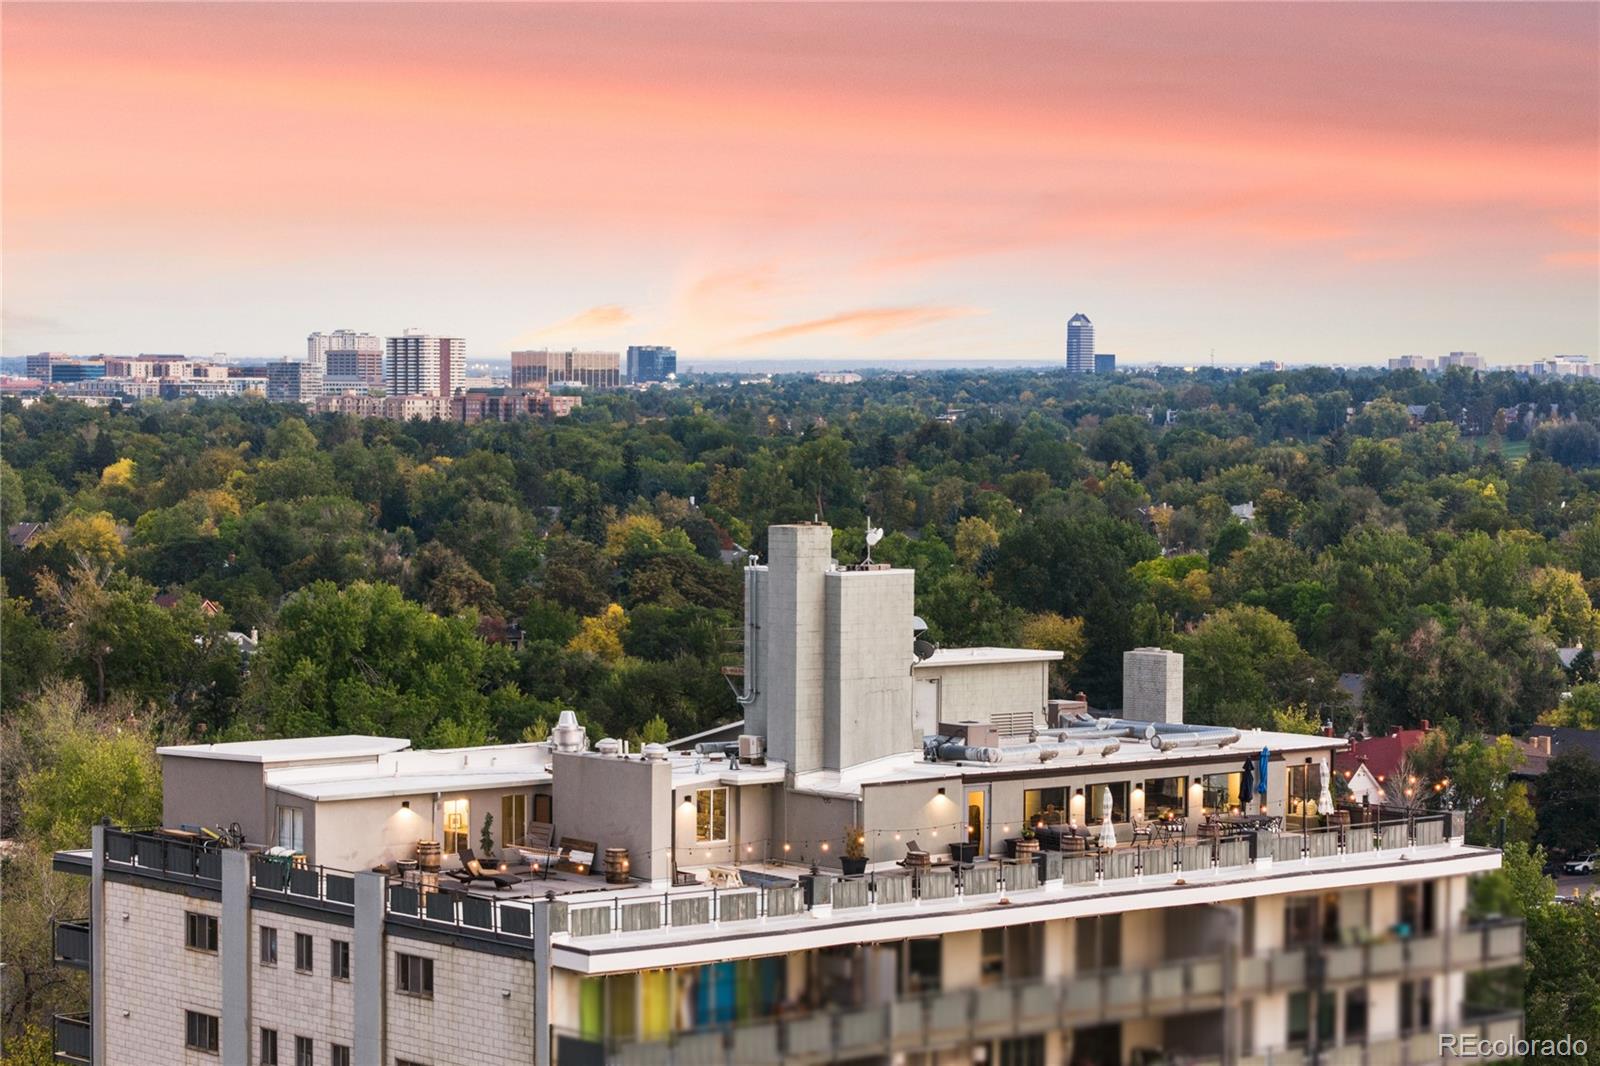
867, 700
974, 692
636, 812
214, 792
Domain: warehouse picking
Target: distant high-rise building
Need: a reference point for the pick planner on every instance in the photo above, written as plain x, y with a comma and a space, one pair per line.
420, 364
318, 345
651, 362
1105, 362
596, 370
77, 370
1411, 362
1080, 344
1470, 360
293, 382
354, 365
39, 364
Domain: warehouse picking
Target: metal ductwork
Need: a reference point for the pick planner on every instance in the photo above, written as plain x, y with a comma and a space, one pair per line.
568, 735
946, 751
1168, 738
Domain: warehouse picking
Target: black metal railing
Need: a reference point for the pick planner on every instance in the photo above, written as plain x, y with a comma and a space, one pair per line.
72, 1038
73, 943
321, 884
196, 861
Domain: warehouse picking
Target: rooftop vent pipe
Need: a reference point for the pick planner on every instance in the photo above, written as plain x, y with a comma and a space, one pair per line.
568, 735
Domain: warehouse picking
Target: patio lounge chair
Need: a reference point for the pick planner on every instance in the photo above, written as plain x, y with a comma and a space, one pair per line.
472, 871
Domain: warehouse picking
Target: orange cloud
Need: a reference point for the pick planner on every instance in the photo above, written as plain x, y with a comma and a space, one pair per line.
1573, 259
594, 320
865, 322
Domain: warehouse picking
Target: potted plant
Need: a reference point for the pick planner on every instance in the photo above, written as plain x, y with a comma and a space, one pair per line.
486, 838
965, 852
854, 859
1028, 843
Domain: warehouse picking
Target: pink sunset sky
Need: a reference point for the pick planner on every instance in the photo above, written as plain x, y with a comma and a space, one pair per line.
1308, 182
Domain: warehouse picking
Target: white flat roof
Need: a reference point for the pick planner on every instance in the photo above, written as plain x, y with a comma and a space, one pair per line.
297, 749
367, 786
911, 766
985, 657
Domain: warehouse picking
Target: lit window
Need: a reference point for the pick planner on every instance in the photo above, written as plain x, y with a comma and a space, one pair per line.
457, 820
710, 815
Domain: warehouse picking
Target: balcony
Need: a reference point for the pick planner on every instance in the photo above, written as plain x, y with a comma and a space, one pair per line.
957, 1017
72, 1039
73, 946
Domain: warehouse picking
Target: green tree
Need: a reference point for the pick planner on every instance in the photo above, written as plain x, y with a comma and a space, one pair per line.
1567, 799
1243, 663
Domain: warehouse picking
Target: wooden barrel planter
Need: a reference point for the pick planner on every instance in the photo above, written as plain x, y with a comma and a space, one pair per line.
428, 855
616, 866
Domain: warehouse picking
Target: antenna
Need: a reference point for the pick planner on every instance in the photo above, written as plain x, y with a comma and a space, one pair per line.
874, 535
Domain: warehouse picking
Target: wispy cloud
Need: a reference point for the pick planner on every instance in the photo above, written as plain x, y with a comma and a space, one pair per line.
1580, 259
863, 322
594, 320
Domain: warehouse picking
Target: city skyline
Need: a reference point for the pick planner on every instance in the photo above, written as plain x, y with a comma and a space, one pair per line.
1313, 184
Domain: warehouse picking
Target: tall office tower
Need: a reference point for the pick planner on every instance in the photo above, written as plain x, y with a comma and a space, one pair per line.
422, 364
1080, 345
318, 345
651, 362
596, 370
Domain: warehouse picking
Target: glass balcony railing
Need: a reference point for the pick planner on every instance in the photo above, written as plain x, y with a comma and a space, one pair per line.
968, 1015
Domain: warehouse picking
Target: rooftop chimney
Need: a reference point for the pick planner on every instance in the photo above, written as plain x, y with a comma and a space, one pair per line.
1152, 685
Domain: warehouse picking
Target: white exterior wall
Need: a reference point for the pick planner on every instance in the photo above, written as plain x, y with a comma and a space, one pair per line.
976, 692
470, 1018
151, 979
299, 1004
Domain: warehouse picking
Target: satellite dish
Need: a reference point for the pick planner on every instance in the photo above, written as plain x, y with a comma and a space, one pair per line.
922, 649
874, 535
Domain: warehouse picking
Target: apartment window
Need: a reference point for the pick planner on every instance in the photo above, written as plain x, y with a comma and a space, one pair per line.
414, 974
407, 1062
710, 815
292, 828
1299, 1018
200, 1031
339, 1054
457, 826
1119, 801
199, 931
269, 1047
339, 959
1166, 797
303, 952
513, 819
1416, 908
304, 1051
1099, 942
924, 965
1044, 806
1219, 793
1416, 1006
1022, 1051
992, 967
269, 946
1355, 1016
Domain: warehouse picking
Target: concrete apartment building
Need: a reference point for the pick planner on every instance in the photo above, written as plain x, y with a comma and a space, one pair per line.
419, 364
354, 348
902, 854
507, 405
594, 370
293, 382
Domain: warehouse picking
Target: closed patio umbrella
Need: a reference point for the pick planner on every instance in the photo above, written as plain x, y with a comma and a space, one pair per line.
1108, 832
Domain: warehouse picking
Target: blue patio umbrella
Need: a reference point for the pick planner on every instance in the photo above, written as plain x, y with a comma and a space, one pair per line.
1261, 775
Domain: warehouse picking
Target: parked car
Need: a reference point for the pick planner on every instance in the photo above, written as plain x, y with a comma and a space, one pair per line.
1584, 865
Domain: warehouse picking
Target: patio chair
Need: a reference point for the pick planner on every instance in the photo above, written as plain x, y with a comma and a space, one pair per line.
472, 871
